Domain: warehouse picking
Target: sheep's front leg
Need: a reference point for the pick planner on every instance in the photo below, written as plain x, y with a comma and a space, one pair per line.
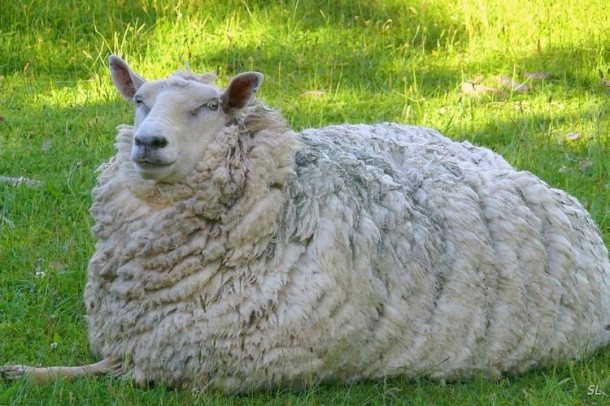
44, 375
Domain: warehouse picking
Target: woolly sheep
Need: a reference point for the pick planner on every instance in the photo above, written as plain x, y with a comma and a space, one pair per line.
234, 253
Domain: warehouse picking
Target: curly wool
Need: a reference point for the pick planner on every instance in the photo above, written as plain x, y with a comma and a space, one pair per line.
341, 253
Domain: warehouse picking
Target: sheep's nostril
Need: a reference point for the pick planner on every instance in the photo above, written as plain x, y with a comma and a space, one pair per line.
159, 142
151, 141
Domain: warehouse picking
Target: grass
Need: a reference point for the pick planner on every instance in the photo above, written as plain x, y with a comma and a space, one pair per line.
325, 61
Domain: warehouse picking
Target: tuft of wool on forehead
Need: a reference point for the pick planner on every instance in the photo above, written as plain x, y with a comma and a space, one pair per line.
183, 78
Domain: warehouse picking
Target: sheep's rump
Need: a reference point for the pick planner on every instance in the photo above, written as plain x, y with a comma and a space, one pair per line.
390, 250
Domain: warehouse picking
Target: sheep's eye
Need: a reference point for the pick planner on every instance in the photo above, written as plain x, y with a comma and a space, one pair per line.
212, 105
139, 101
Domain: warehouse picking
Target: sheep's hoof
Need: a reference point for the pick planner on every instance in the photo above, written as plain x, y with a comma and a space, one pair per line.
14, 372
37, 376
44, 375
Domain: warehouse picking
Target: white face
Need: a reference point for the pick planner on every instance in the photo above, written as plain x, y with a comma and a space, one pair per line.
175, 119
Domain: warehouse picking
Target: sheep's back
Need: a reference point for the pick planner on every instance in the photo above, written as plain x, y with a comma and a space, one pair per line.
472, 265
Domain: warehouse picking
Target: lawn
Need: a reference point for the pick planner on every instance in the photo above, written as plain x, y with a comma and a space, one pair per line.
528, 79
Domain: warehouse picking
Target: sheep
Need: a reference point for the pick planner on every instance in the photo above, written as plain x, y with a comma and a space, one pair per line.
236, 254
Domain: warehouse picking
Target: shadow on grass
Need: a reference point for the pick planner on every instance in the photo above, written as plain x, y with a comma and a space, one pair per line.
84, 132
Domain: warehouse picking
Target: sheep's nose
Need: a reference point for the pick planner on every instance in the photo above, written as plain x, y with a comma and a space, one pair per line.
150, 141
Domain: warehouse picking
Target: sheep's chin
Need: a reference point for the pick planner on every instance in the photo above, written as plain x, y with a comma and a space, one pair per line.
154, 171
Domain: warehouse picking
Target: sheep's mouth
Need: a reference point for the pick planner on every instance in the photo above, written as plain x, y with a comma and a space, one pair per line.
145, 164
152, 168
151, 163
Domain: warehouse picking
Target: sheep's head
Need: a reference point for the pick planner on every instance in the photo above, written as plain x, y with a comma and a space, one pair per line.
177, 117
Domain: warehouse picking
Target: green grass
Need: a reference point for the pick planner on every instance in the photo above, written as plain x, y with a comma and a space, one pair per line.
384, 60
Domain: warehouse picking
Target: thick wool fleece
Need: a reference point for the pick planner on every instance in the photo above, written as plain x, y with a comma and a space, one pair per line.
340, 253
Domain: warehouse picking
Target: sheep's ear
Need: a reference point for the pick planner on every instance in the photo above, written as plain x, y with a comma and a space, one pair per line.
125, 80
241, 91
